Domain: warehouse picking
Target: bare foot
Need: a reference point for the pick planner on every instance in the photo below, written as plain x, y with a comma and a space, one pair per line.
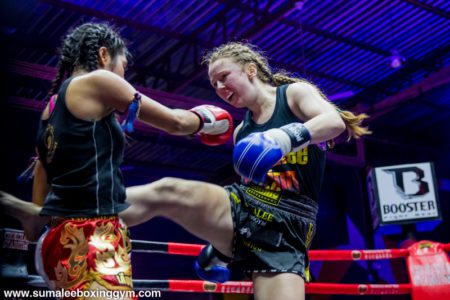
26, 212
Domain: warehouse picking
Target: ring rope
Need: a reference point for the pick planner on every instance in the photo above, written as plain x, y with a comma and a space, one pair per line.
246, 287
323, 255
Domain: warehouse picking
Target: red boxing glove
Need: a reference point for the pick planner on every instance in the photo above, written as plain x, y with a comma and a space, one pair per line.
216, 124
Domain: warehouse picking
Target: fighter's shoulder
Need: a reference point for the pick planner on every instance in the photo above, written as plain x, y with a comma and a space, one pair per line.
236, 130
299, 90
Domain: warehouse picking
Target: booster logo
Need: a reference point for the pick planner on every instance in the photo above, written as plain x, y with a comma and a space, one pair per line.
404, 189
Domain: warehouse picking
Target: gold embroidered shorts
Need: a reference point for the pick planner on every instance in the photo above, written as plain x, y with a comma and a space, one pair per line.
76, 252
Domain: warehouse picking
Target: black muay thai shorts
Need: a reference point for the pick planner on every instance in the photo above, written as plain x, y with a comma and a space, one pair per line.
271, 234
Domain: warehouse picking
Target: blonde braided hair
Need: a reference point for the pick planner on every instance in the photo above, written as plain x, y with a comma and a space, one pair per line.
244, 53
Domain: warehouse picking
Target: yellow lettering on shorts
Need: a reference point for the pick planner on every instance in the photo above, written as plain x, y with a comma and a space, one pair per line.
264, 195
263, 215
235, 198
309, 236
251, 245
307, 274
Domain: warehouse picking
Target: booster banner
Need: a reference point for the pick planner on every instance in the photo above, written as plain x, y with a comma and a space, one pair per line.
403, 194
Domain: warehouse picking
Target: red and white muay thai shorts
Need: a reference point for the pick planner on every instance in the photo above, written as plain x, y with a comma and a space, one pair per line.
76, 252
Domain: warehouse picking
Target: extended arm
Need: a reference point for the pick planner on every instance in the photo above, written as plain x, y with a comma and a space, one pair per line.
109, 91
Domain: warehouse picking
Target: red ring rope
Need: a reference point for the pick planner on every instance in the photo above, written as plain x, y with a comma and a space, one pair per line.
194, 250
310, 288
246, 287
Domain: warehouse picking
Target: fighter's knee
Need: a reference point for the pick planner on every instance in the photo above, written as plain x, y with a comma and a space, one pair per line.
183, 194
173, 190
167, 186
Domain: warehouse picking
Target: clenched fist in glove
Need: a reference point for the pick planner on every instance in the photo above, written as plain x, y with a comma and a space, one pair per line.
216, 124
256, 154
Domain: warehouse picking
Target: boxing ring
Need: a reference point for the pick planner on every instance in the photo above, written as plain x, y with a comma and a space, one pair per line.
427, 263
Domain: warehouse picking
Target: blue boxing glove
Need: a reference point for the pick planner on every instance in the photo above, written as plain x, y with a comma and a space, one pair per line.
256, 154
211, 265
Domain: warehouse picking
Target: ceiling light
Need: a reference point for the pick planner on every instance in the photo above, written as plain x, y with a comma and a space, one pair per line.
299, 4
396, 60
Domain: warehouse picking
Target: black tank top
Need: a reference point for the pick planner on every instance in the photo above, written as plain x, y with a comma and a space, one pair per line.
81, 159
298, 173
